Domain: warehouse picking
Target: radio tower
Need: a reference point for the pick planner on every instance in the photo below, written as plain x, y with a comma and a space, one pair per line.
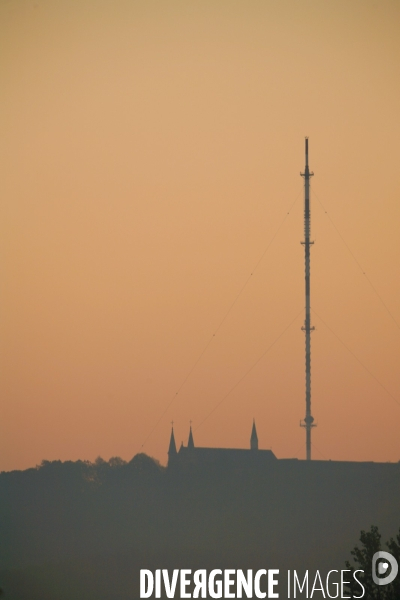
308, 422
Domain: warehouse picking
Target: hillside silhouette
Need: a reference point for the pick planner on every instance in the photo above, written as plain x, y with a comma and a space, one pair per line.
83, 530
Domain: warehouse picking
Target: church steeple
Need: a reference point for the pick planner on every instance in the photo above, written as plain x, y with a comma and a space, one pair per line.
254, 437
172, 446
190, 440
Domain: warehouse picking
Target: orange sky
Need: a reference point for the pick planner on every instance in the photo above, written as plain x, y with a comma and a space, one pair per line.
149, 153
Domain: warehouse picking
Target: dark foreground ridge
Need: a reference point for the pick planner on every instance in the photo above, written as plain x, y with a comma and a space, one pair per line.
83, 530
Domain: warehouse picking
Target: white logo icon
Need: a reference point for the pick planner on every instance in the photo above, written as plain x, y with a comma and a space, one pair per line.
386, 561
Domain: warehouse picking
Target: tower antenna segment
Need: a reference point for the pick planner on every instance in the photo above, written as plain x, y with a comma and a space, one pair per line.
308, 422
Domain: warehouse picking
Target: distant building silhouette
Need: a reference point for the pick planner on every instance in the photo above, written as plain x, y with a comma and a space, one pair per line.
254, 437
192, 455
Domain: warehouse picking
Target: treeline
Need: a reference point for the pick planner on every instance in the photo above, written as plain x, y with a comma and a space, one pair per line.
67, 509
83, 530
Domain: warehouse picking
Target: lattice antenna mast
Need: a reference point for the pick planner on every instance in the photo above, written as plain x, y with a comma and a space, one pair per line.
308, 422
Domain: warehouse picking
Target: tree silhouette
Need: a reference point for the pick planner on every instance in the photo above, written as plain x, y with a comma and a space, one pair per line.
394, 548
362, 557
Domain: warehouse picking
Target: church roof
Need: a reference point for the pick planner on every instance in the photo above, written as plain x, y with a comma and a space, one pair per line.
222, 457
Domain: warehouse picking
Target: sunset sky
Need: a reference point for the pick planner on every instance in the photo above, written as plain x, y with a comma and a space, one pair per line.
150, 154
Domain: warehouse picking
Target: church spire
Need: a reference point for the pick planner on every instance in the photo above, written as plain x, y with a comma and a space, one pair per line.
172, 446
190, 440
254, 437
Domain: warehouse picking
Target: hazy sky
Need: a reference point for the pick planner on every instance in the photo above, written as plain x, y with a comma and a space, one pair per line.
150, 152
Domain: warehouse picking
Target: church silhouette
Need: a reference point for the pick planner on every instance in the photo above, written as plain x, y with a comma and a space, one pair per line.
191, 455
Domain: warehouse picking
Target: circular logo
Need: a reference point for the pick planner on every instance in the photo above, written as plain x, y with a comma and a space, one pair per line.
384, 568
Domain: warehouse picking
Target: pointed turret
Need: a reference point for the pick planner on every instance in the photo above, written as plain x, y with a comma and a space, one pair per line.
254, 437
172, 448
190, 440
